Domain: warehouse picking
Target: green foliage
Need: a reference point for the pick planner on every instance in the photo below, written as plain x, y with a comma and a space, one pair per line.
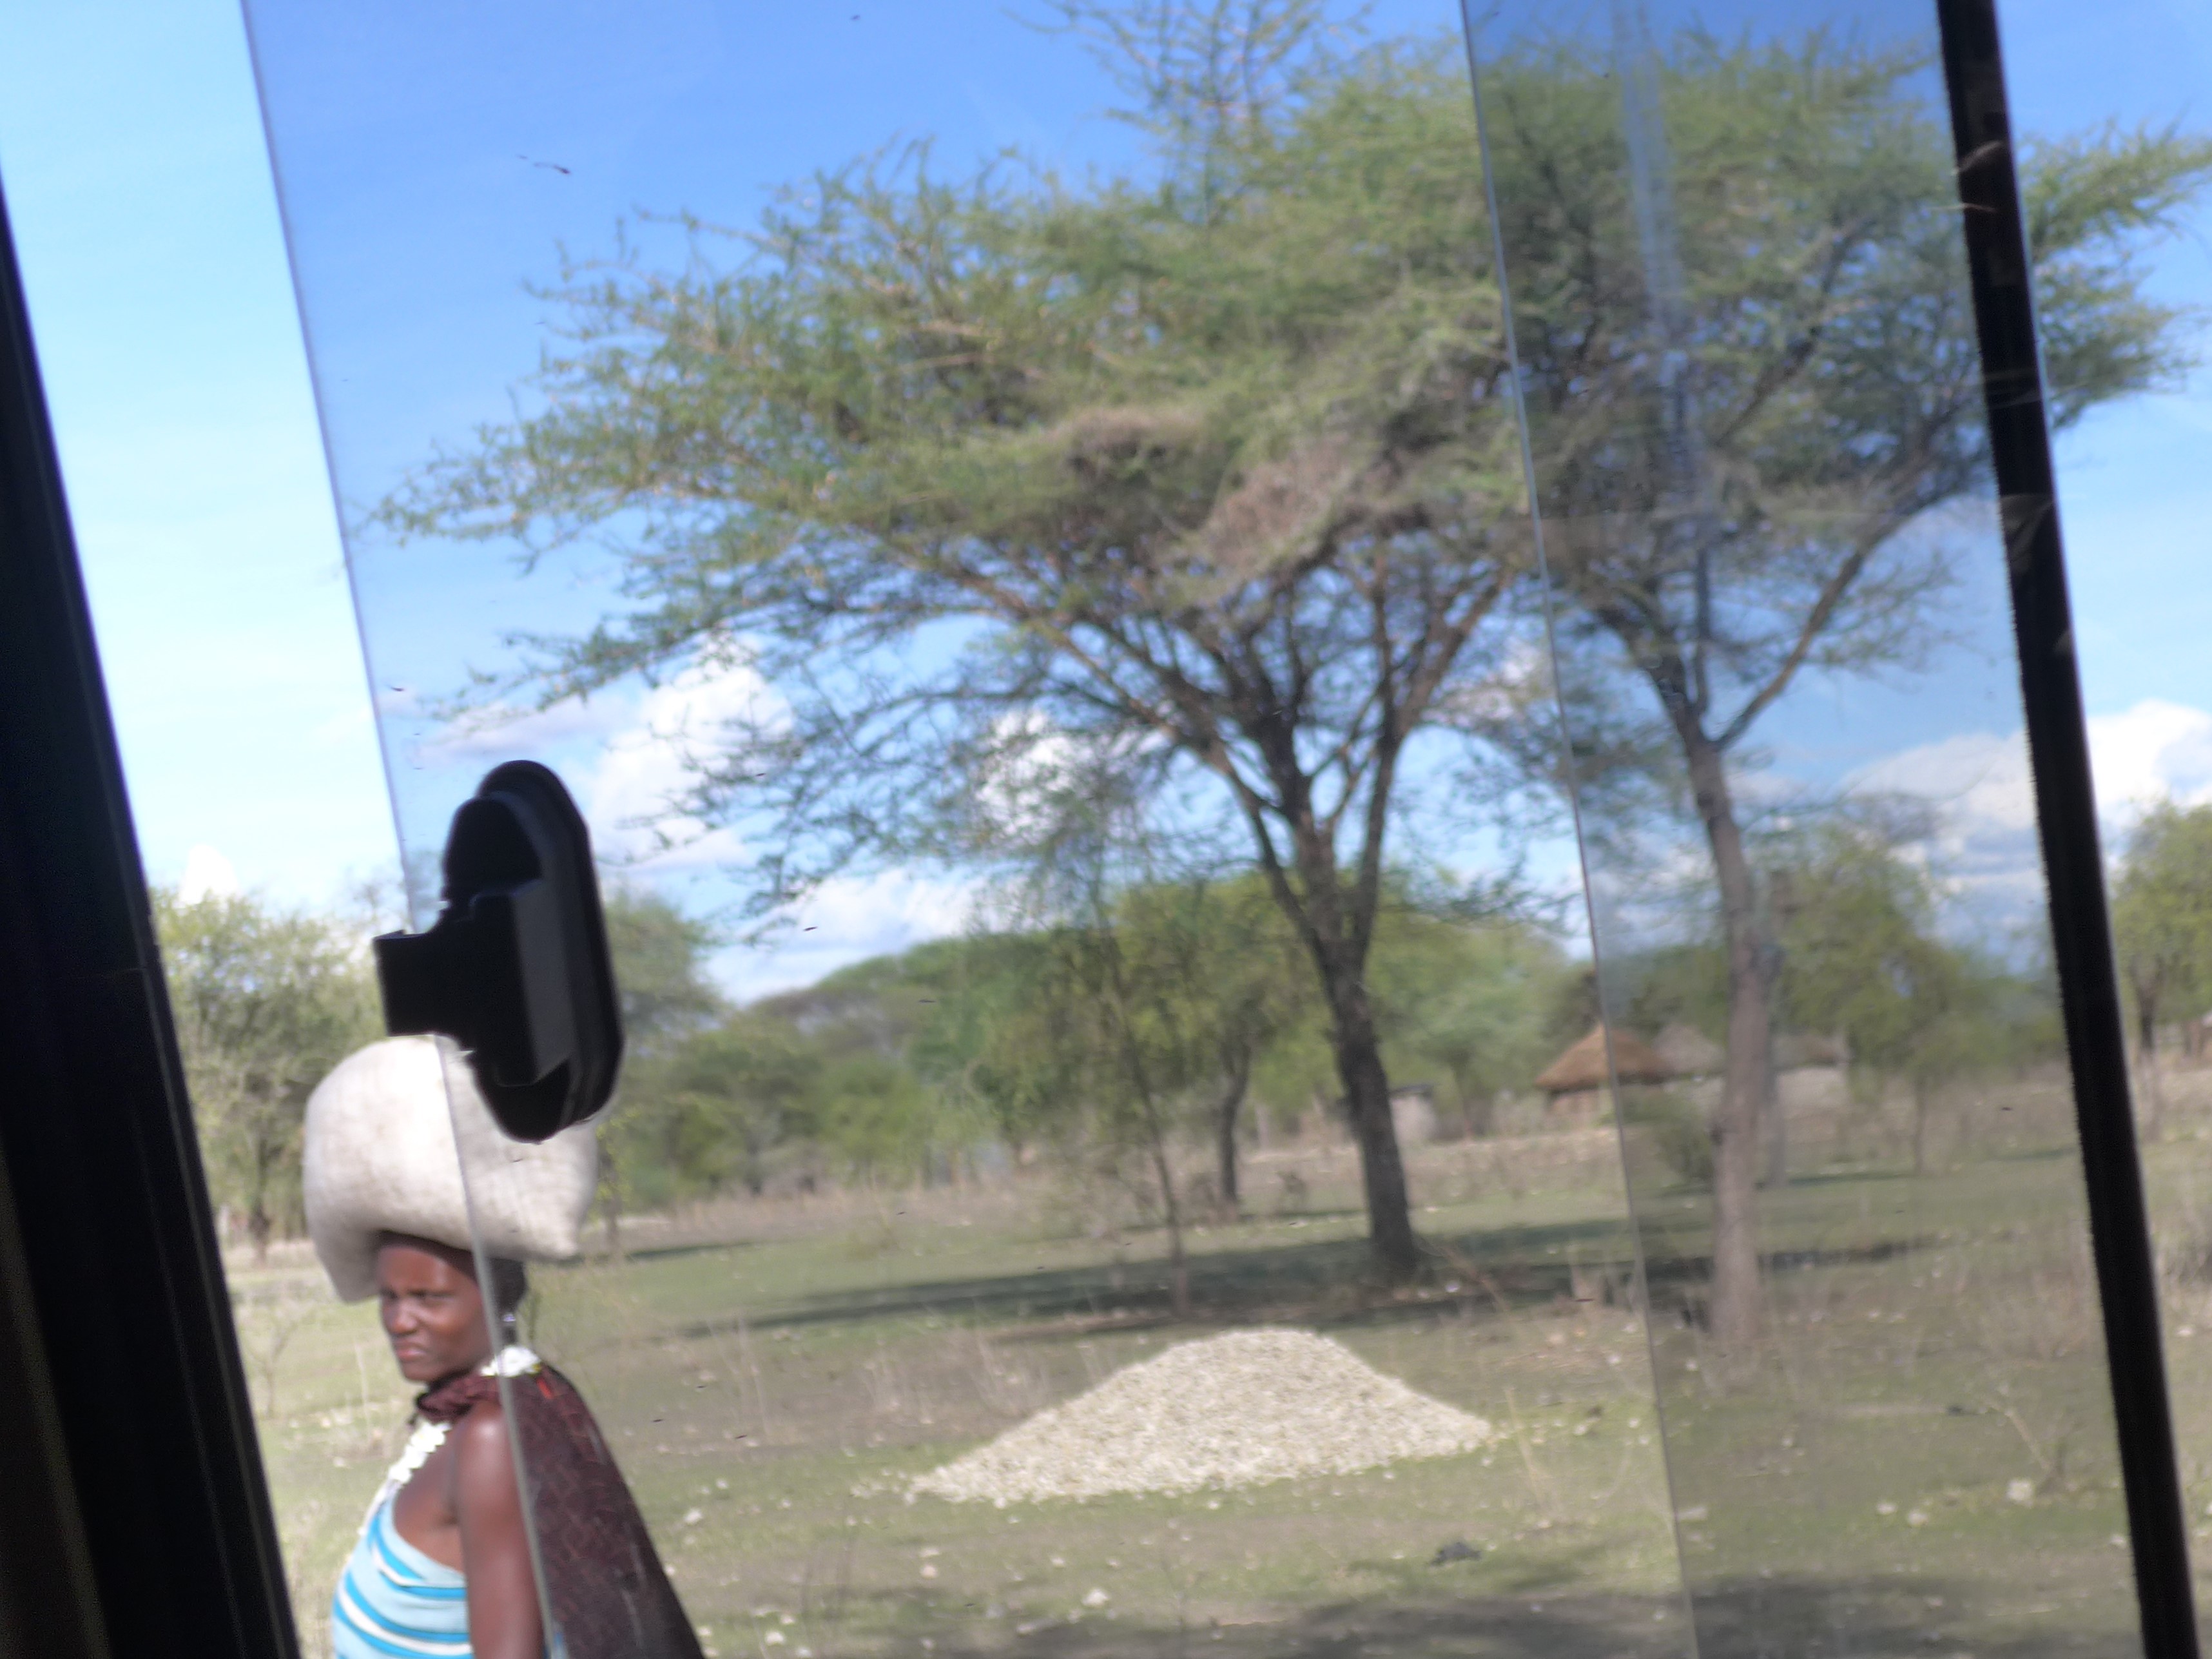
266, 1002
1108, 1040
875, 1116
1862, 955
730, 1095
1469, 1005
660, 969
662, 1141
2162, 914
1138, 1015
1830, 384
1677, 1129
1859, 954
1684, 984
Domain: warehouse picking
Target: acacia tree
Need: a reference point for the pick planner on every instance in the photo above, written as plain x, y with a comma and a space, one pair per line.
1204, 471
267, 1001
2162, 926
1749, 367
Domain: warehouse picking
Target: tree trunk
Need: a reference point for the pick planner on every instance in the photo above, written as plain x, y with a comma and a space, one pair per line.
2153, 1092
1178, 1264
1748, 1080
611, 1206
1225, 1134
258, 1226
1919, 1124
1478, 1110
1358, 1051
1382, 1170
1776, 1132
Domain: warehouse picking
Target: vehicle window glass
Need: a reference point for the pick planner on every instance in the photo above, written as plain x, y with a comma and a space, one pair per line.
1780, 633
2130, 498
1010, 527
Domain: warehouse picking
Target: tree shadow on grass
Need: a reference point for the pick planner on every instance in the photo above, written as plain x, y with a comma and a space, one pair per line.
1777, 1619
1328, 1282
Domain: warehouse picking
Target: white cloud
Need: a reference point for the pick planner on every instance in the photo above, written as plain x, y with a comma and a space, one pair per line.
847, 910
208, 874
632, 792
849, 919
502, 731
1980, 787
630, 755
1978, 779
2154, 751
1982, 794
1031, 762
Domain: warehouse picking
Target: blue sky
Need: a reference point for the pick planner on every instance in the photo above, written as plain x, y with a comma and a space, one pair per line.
423, 151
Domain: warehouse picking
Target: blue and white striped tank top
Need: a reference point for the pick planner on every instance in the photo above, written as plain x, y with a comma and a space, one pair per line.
392, 1599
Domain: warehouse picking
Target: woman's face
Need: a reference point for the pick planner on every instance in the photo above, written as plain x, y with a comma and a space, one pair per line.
432, 1312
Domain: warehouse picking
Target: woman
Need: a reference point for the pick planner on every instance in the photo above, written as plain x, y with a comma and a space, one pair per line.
444, 1564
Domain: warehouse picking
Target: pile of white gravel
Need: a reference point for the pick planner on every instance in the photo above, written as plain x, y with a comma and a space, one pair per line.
1231, 1411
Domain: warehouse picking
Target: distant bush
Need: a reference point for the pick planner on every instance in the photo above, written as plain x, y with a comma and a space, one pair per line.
1675, 1129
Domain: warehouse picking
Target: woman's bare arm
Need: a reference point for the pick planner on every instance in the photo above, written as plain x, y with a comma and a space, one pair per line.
503, 1621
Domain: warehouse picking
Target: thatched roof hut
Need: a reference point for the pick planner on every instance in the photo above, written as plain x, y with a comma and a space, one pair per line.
1583, 1068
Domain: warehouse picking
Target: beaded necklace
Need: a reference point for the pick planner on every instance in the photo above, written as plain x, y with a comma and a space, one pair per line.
512, 1360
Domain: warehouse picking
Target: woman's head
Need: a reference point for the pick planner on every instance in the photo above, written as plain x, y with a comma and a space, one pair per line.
432, 1310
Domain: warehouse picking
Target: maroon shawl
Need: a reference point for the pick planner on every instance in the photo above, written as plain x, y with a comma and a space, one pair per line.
610, 1597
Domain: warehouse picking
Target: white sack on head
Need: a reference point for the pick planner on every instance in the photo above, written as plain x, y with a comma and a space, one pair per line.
379, 1157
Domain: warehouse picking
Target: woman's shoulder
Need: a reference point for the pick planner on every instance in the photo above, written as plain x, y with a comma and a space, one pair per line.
485, 1486
480, 1436
484, 1418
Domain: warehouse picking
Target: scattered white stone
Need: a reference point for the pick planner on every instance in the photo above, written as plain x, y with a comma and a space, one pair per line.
692, 1517
1235, 1410
1917, 1518
1885, 1508
1097, 1598
2020, 1491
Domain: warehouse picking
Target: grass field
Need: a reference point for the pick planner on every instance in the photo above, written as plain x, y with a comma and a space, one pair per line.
1919, 1460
